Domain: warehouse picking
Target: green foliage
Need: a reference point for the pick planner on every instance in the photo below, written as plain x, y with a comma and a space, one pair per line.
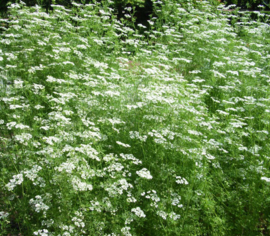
110, 127
249, 4
131, 2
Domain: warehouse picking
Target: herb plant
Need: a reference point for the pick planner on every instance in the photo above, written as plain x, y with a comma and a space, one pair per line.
110, 127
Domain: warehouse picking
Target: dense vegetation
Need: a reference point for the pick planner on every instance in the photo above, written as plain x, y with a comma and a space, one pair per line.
141, 5
112, 127
248, 4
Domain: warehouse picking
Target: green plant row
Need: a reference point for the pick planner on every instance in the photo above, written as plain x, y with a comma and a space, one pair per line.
112, 127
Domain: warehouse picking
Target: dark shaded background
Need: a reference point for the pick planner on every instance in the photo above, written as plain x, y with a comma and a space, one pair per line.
119, 4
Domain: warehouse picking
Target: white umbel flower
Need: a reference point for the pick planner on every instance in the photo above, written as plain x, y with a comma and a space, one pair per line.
144, 173
138, 212
266, 179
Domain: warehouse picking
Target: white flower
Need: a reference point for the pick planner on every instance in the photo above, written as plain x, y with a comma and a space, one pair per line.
144, 173
195, 72
174, 216
68, 62
16, 180
136, 135
131, 157
78, 222
18, 84
108, 157
32, 173
138, 212
38, 204
124, 184
67, 166
3, 215
209, 156
125, 231
78, 185
82, 46
131, 199
45, 127
13, 107
128, 8
43, 232
38, 86
10, 125
51, 79
51, 140
266, 179
180, 180
218, 74
38, 107
194, 132
118, 187
114, 167
123, 144
162, 214
112, 93
142, 26
89, 151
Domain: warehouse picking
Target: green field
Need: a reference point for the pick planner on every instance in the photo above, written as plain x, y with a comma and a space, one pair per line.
108, 127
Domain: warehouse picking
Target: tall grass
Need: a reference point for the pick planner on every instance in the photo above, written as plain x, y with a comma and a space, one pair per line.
113, 128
